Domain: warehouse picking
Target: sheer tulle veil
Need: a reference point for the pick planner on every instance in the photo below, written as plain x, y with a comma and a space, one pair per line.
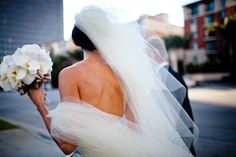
161, 127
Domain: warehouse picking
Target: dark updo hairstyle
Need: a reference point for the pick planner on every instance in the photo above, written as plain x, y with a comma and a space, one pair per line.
81, 39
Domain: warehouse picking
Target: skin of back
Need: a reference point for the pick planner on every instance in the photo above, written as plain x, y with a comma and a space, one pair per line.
96, 85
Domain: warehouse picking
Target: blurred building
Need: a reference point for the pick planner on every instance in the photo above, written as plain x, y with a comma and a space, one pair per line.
199, 16
29, 21
56, 47
160, 25
70, 46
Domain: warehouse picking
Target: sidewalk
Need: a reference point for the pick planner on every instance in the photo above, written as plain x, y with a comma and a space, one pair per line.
30, 138
214, 92
23, 143
225, 97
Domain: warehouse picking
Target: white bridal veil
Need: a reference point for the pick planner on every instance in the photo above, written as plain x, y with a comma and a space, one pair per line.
161, 128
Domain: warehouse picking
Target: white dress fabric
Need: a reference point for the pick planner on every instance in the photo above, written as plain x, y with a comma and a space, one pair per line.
161, 127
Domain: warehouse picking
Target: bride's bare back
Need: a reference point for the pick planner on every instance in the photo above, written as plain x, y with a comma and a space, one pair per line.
93, 81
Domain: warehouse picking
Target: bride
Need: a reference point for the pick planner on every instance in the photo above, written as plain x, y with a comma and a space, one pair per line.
114, 103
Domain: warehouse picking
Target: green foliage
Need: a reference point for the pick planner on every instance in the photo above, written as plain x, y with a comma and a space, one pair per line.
175, 41
214, 27
229, 19
77, 55
230, 28
62, 61
59, 63
4, 125
207, 67
226, 30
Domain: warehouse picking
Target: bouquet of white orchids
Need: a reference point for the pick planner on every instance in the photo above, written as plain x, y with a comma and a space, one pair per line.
27, 68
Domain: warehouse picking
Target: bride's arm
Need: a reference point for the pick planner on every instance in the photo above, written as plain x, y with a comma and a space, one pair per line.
38, 98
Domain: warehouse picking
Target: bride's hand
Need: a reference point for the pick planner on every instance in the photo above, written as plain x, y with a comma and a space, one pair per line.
38, 95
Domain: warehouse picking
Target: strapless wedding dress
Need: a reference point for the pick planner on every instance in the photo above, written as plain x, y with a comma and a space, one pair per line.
99, 134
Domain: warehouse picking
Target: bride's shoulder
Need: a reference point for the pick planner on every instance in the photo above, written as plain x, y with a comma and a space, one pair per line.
68, 82
70, 72
72, 68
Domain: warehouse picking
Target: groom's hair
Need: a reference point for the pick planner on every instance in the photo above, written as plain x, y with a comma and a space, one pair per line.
81, 39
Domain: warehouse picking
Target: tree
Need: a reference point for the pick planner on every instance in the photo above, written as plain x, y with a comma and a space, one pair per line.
174, 41
62, 61
227, 31
230, 34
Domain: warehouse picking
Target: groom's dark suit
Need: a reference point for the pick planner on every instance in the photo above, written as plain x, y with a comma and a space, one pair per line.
186, 103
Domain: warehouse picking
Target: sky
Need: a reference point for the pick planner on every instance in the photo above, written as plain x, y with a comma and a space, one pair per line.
128, 10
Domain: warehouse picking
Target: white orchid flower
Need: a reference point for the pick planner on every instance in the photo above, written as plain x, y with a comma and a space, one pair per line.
27, 63
21, 60
45, 63
28, 49
23, 66
15, 84
29, 78
5, 82
34, 51
27, 72
12, 75
45, 67
21, 73
6, 63
33, 66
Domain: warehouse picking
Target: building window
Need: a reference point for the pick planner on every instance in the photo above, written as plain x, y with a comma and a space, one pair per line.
195, 10
193, 27
210, 19
223, 14
211, 34
210, 6
211, 46
195, 46
193, 21
223, 3
195, 35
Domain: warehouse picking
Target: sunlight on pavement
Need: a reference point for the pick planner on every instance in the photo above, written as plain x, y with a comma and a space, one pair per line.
226, 97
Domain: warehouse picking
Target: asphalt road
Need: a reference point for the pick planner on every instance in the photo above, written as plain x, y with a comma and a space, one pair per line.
217, 130
21, 111
216, 122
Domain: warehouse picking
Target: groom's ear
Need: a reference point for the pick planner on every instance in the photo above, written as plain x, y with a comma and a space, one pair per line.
81, 39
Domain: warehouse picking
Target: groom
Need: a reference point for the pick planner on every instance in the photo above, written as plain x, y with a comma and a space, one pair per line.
158, 44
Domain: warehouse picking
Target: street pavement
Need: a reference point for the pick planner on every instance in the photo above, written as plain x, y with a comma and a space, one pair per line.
214, 93
32, 140
24, 143
214, 117
217, 130
214, 109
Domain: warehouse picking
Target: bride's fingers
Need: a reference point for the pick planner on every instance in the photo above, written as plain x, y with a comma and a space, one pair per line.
45, 96
37, 76
48, 74
47, 77
21, 91
36, 85
40, 77
38, 80
40, 74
